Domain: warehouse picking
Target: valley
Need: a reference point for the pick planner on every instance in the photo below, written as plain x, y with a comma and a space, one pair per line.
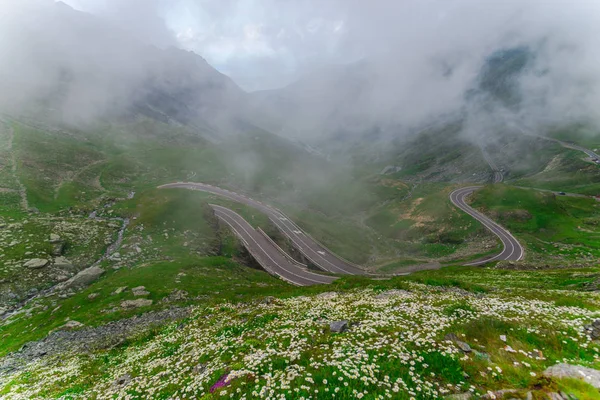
211, 200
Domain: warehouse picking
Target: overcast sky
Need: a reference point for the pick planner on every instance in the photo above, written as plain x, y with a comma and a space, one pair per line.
268, 43
259, 43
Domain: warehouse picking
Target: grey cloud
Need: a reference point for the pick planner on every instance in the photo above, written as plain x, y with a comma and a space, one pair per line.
419, 57
143, 19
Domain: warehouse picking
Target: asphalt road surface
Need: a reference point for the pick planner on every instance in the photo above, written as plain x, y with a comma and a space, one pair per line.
512, 248
267, 253
317, 254
279, 263
498, 174
588, 152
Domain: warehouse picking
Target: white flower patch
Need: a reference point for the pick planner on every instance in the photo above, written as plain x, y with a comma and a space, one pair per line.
285, 350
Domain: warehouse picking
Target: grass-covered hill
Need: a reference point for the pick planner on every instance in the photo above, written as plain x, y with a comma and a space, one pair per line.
386, 212
429, 335
174, 307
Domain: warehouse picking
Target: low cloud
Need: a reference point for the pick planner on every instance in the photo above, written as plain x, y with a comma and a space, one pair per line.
387, 64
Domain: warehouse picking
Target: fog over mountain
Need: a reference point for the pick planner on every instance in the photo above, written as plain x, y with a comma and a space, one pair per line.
72, 66
386, 68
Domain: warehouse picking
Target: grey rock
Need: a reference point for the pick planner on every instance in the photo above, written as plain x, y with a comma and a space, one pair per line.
129, 304
36, 263
63, 263
327, 295
460, 396
54, 238
120, 290
464, 347
70, 325
499, 394
338, 326
122, 381
268, 300
176, 295
589, 375
451, 337
140, 291
83, 278
593, 329
92, 296
58, 248
199, 368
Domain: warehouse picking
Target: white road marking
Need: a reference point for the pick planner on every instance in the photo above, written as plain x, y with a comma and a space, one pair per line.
260, 247
507, 239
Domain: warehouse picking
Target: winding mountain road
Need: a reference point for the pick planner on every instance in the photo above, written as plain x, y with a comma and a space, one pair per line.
572, 146
512, 248
272, 258
498, 176
275, 261
588, 152
317, 254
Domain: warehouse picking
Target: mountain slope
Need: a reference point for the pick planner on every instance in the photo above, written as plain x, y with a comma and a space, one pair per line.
74, 67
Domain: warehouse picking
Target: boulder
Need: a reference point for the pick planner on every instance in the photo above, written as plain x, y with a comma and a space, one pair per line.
83, 278
338, 326
58, 248
129, 304
460, 396
140, 291
593, 329
54, 238
119, 290
268, 300
92, 296
327, 295
63, 263
499, 394
122, 381
176, 295
199, 368
70, 325
464, 347
589, 375
36, 263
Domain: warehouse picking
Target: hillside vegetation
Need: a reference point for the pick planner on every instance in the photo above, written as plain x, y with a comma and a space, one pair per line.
179, 307
427, 335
